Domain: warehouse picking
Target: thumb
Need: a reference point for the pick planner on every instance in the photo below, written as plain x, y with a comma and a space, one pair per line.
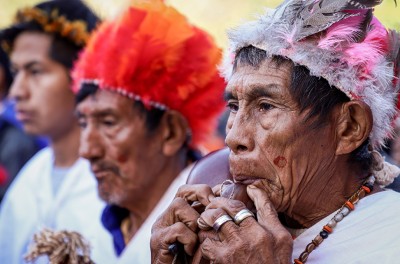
266, 213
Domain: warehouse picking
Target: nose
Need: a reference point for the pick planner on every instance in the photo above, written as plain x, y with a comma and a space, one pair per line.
19, 89
91, 143
239, 136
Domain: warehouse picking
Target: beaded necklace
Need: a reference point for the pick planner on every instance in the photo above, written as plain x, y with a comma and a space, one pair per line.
346, 208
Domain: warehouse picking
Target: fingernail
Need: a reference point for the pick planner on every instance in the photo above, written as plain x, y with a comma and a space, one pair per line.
251, 187
202, 224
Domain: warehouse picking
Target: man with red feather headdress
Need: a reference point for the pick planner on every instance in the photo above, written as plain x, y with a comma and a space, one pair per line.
148, 96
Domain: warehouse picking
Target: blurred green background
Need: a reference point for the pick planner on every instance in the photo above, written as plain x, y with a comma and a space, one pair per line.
216, 16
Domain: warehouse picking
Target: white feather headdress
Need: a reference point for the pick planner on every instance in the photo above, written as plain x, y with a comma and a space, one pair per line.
339, 40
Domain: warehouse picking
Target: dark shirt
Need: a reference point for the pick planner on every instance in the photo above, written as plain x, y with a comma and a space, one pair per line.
395, 185
112, 218
16, 148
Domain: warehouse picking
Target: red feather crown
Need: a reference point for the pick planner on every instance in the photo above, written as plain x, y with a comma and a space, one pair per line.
152, 54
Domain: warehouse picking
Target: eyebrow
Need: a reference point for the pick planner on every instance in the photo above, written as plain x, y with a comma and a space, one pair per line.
27, 65
97, 114
228, 96
256, 91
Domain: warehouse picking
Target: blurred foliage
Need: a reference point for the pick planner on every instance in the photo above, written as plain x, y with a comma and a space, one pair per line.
216, 16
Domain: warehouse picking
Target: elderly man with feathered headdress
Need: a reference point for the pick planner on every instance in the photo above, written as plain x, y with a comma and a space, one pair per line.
312, 89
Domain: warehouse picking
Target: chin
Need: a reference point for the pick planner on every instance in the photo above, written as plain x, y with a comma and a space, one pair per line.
32, 130
106, 197
111, 198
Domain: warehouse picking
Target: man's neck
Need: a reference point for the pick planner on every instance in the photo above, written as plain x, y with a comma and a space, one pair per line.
326, 193
141, 210
66, 147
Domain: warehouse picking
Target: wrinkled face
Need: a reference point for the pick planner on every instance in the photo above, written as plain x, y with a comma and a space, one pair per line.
271, 146
124, 157
41, 87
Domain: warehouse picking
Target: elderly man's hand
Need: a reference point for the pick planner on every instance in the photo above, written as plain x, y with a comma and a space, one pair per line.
262, 241
179, 223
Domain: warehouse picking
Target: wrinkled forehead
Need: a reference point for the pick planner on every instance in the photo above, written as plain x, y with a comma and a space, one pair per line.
269, 75
104, 101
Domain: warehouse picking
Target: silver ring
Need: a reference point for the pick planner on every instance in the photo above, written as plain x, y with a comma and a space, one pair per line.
243, 214
220, 221
202, 226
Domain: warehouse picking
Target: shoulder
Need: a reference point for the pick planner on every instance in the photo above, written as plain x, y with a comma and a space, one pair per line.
33, 170
41, 158
373, 226
382, 200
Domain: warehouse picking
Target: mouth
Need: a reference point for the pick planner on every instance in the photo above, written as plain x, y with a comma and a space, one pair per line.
246, 180
23, 116
99, 171
100, 174
102, 171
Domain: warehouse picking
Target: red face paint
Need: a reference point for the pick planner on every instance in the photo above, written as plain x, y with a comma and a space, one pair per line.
122, 158
280, 161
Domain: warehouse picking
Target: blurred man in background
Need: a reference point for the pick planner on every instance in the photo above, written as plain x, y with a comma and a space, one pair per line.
55, 189
16, 148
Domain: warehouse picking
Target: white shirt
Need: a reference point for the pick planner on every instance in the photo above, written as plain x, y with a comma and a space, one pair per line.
138, 249
369, 234
30, 205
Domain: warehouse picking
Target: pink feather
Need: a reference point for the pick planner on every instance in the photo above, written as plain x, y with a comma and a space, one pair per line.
343, 32
371, 50
367, 51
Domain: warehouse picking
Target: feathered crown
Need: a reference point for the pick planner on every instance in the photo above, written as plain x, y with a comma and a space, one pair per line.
71, 20
339, 40
152, 54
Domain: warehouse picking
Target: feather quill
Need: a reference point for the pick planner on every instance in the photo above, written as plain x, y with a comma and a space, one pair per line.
316, 16
350, 30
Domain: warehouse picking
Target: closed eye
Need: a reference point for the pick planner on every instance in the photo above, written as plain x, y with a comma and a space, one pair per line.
35, 71
108, 123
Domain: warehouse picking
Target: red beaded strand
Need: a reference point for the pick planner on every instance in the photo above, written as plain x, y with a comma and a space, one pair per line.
346, 208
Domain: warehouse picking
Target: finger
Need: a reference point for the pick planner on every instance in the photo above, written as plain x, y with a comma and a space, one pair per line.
210, 234
232, 207
180, 233
178, 211
228, 228
163, 238
266, 213
198, 257
212, 250
200, 207
268, 219
217, 189
196, 192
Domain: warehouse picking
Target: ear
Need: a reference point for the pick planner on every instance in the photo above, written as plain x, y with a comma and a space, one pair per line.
175, 132
353, 127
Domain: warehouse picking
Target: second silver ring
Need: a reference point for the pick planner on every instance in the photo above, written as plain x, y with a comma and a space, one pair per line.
243, 214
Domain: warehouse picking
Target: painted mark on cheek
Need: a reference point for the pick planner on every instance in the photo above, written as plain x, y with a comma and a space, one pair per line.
280, 161
122, 158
